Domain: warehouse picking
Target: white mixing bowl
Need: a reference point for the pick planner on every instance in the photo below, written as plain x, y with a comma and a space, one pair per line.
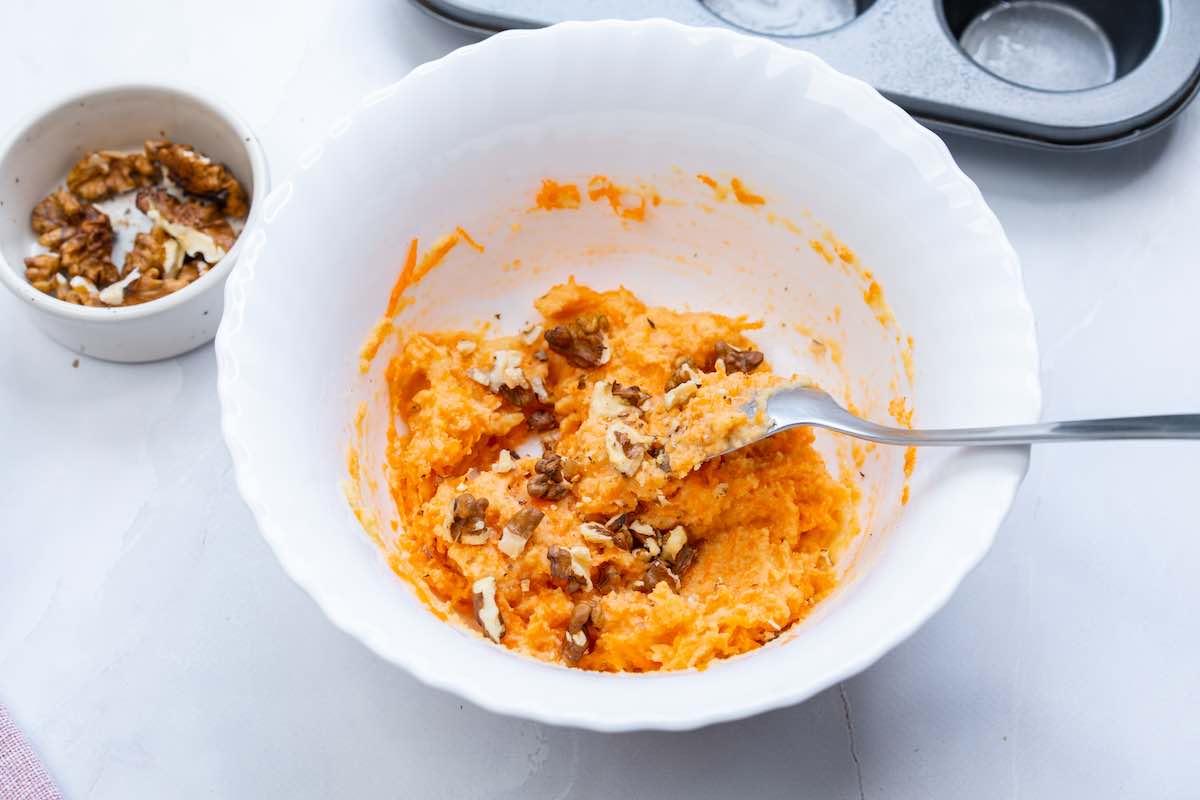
466, 141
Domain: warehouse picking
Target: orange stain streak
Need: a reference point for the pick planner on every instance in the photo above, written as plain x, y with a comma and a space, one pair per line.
554, 195
900, 411
379, 334
403, 281
718, 190
466, 237
910, 462
744, 195
601, 187
820, 250
434, 256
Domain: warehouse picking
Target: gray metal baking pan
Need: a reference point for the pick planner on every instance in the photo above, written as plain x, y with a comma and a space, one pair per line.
1069, 74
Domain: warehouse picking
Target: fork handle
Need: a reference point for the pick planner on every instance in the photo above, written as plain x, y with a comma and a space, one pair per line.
1166, 426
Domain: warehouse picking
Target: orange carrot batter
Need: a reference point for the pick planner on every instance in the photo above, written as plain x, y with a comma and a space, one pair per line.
614, 544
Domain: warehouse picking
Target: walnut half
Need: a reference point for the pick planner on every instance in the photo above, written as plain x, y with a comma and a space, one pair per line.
80, 233
197, 225
104, 173
200, 175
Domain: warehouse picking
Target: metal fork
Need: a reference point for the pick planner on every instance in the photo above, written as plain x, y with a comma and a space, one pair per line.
806, 405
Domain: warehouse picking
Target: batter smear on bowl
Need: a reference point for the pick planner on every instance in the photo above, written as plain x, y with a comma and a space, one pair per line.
556, 491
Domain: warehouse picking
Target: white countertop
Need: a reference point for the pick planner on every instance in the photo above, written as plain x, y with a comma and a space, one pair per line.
150, 645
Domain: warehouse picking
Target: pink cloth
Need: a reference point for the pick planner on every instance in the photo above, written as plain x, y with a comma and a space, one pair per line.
22, 776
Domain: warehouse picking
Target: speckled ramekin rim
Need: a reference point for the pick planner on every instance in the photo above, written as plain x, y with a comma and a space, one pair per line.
887, 118
13, 275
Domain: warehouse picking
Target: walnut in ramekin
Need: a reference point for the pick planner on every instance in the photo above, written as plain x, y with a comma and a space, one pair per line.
187, 204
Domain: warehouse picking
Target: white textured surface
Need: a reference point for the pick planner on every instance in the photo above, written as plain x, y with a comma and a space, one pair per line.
150, 646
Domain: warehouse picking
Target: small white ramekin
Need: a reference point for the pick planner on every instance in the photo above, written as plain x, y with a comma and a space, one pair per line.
38, 154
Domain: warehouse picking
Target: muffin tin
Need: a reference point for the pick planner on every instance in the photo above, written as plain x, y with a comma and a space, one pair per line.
1072, 74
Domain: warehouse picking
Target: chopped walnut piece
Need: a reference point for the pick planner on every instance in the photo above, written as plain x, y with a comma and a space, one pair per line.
684, 371
595, 533
104, 173
609, 580
487, 613
504, 462
582, 342
574, 565
520, 396
581, 569
657, 572
630, 394
560, 562
518, 531
679, 394
619, 531
539, 389
541, 419
466, 521
548, 481
507, 379
658, 452
736, 360
581, 615
625, 448
199, 175
570, 470
575, 642
198, 225
684, 560
505, 373
574, 646
675, 541
647, 537
543, 488
611, 400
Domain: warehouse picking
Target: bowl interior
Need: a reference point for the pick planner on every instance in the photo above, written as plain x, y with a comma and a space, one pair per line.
465, 141
40, 156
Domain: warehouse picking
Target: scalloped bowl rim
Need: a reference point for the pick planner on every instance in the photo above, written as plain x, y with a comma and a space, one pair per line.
325, 595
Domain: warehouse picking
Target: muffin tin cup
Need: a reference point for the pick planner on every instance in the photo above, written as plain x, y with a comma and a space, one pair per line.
1072, 74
